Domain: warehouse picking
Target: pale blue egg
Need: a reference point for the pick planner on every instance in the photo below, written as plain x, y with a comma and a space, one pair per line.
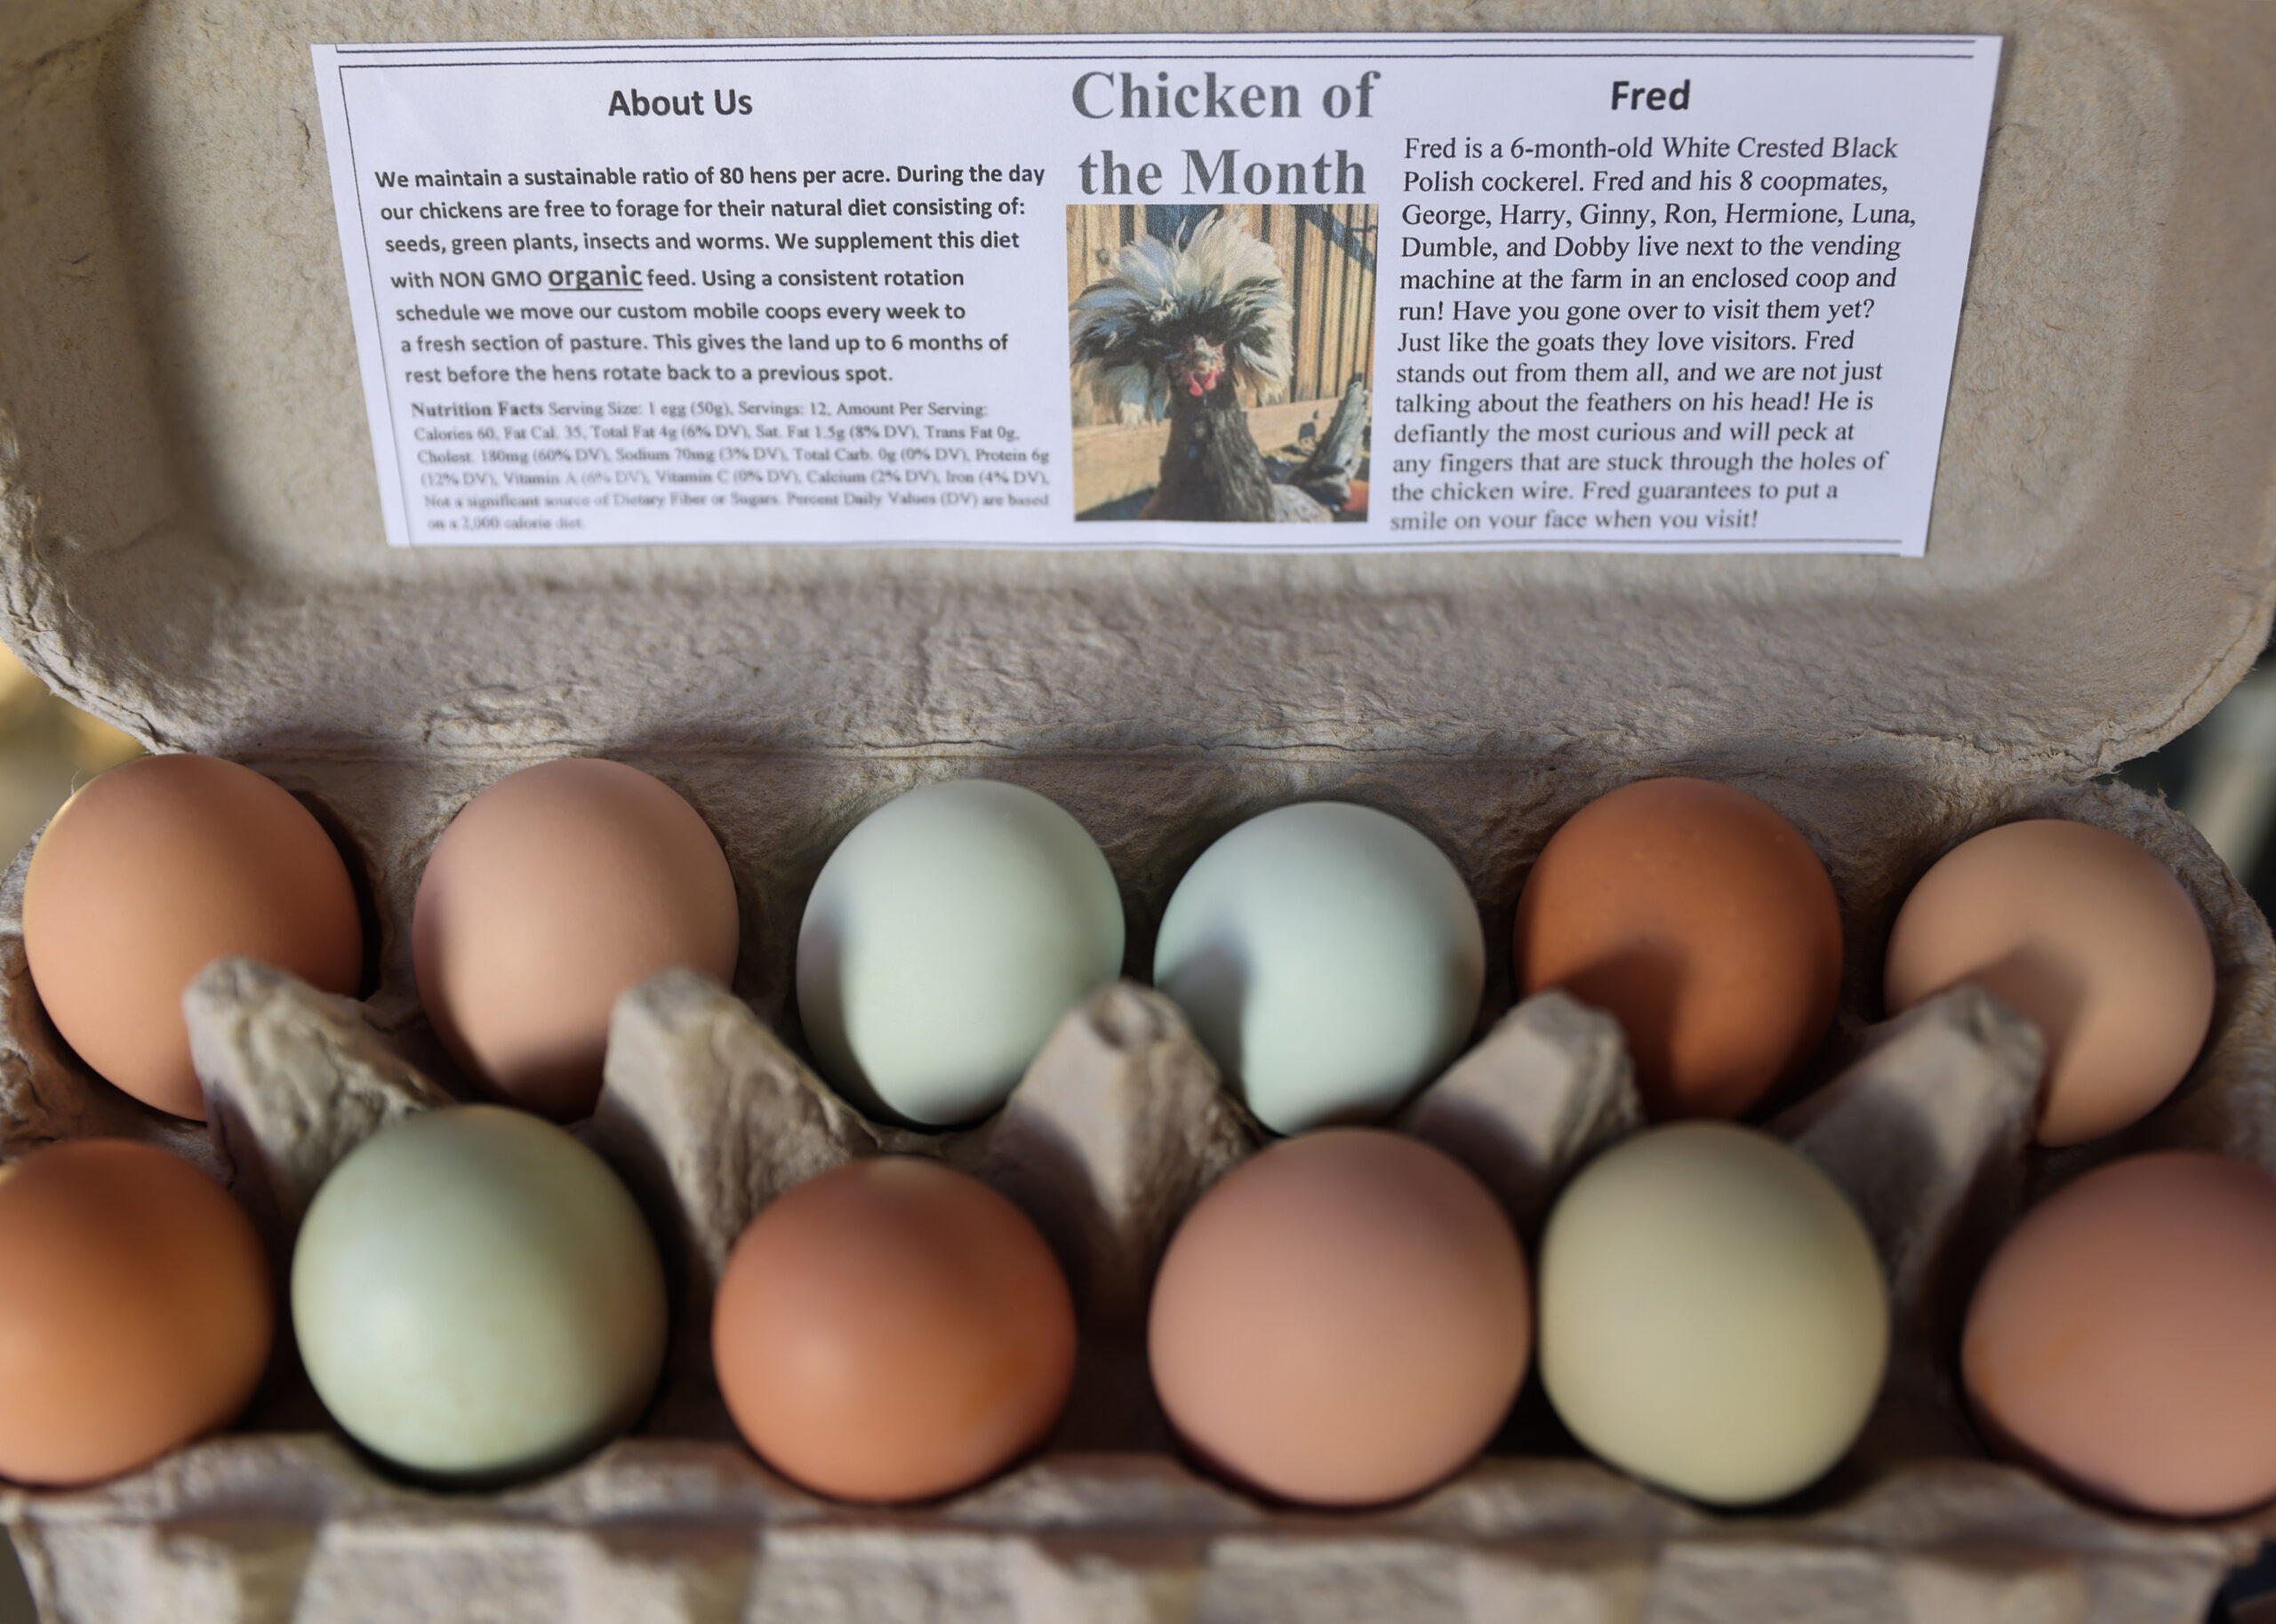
1329, 957
945, 938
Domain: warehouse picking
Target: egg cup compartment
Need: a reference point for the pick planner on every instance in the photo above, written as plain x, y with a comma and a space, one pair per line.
1119, 1125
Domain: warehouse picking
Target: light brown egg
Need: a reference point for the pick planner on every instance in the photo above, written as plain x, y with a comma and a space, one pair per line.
553, 892
136, 1309
1701, 920
892, 1330
2124, 1337
1341, 1320
2087, 936
151, 873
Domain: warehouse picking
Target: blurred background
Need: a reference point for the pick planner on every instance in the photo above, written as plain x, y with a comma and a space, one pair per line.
47, 749
2221, 775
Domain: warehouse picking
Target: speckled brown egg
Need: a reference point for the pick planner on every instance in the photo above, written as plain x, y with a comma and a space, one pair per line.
136, 1309
151, 873
554, 892
1701, 920
892, 1330
2124, 1337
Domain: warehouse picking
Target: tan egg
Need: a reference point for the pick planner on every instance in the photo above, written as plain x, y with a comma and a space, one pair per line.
2124, 1337
152, 872
553, 892
1701, 920
138, 1309
1343, 1320
2087, 936
892, 1330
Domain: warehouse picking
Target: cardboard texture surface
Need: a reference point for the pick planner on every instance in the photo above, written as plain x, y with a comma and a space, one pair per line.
190, 546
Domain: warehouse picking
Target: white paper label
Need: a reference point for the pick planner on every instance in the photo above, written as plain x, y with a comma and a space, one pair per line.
1669, 292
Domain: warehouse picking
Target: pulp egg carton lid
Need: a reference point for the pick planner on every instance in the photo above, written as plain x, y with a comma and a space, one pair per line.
190, 546
191, 541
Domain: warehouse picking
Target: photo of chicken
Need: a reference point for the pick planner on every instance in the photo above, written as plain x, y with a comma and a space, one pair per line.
1198, 330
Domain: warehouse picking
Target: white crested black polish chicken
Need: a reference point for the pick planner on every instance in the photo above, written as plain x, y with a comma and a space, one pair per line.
1173, 330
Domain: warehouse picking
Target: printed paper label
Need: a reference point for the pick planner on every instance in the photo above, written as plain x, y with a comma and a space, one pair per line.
1364, 293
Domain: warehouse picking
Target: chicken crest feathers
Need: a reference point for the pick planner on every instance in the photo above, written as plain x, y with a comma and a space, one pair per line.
1219, 282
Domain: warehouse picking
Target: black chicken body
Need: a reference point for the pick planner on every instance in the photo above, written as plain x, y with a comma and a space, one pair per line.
1211, 469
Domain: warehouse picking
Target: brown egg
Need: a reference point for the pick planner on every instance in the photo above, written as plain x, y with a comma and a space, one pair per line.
554, 892
138, 1309
892, 1330
1701, 920
2087, 936
1341, 1320
151, 873
2124, 1337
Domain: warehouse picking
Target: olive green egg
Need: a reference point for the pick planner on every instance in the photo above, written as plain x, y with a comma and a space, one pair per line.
476, 1296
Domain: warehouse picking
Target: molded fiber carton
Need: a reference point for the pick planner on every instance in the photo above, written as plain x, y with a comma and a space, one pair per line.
190, 546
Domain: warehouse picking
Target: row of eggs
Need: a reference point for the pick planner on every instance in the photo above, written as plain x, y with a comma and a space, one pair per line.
1328, 954
1331, 957
1344, 1319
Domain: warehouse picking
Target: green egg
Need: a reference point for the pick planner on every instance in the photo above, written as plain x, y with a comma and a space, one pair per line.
476, 1296
1714, 1316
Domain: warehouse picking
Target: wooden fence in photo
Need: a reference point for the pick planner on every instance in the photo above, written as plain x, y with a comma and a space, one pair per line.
1326, 251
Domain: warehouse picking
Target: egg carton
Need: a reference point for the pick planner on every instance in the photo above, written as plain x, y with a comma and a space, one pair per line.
1117, 1128
190, 548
